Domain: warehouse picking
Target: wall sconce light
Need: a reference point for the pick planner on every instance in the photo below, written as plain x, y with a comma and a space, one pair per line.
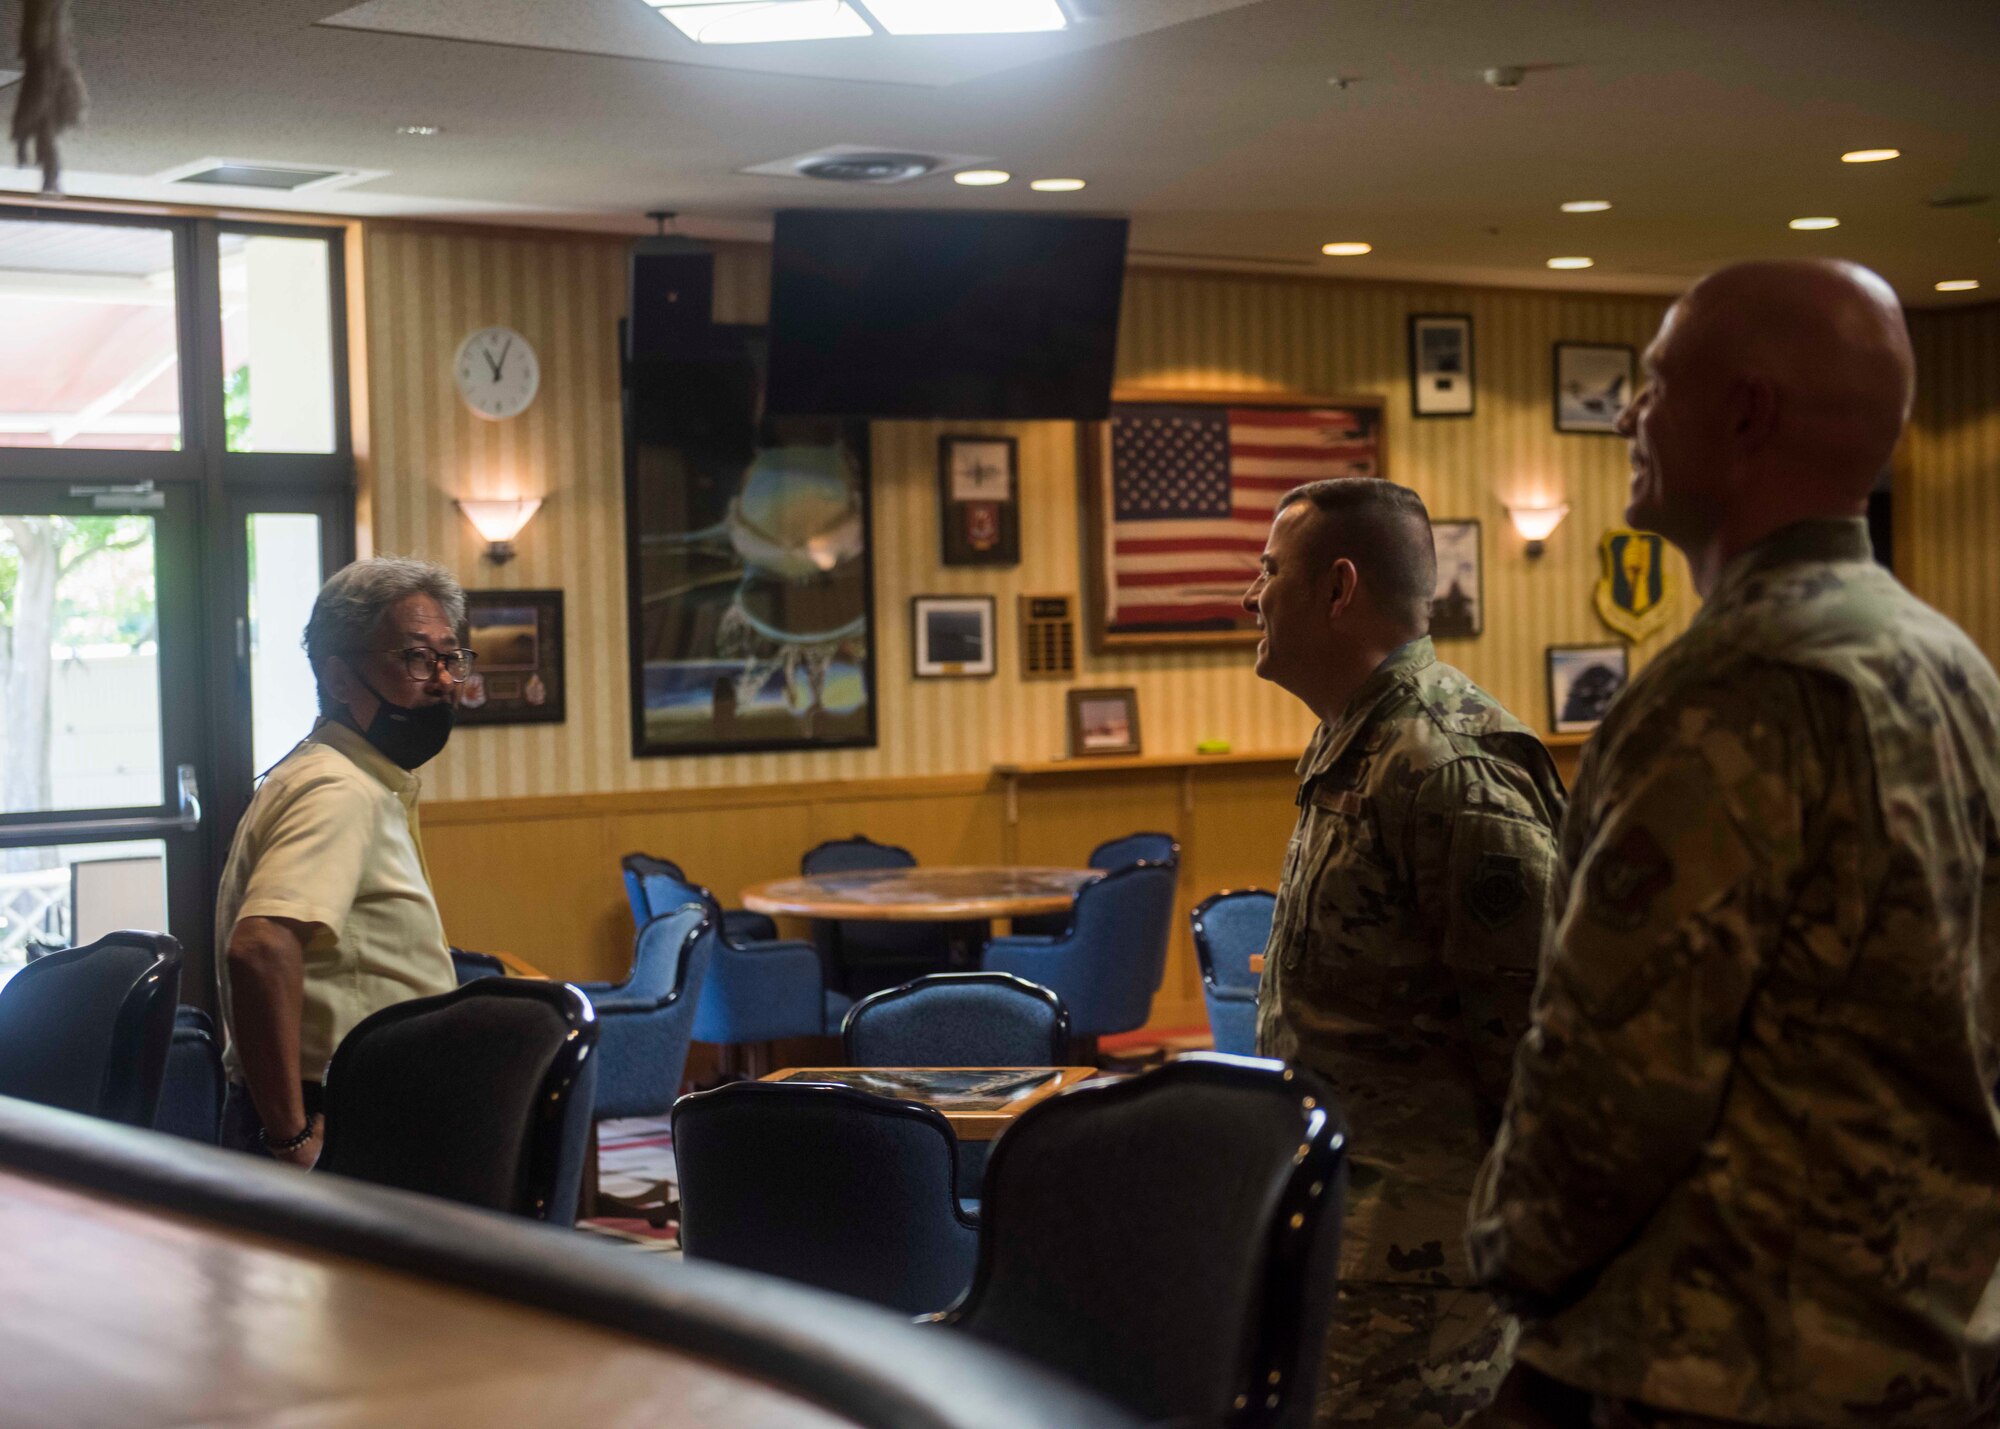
1537, 523
499, 522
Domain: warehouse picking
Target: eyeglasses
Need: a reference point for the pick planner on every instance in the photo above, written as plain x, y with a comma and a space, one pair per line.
420, 663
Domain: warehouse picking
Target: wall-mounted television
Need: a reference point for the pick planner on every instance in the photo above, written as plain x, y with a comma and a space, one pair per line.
992, 316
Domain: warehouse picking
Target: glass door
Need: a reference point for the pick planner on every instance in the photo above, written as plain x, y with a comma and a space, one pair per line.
101, 743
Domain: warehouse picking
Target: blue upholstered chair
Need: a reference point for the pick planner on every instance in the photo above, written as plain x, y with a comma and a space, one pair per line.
958, 1020
1107, 857
88, 1029
864, 956
1195, 1280
191, 1090
481, 1095
650, 887
645, 1023
469, 965
826, 1185
756, 991
1108, 963
1228, 928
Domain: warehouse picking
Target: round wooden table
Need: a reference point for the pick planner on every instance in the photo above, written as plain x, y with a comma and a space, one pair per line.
921, 895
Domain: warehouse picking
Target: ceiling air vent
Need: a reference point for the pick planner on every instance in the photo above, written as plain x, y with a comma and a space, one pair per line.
863, 164
269, 176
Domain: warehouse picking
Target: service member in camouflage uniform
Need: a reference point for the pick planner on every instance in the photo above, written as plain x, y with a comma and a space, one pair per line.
1750, 1169
1403, 946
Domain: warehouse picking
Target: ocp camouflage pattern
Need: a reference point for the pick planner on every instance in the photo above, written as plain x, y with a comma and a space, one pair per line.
1750, 1168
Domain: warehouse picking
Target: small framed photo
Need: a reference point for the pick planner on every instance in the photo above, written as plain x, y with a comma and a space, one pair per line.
979, 507
1458, 606
518, 677
1583, 681
1593, 383
1103, 722
1441, 364
951, 636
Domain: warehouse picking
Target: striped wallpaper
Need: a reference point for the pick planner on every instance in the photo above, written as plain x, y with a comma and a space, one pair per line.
1948, 482
428, 287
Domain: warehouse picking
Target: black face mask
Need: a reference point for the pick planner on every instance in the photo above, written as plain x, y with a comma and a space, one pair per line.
407, 736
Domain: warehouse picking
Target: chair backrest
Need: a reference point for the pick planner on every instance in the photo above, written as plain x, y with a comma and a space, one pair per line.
1228, 928
843, 855
482, 1095
87, 1029
958, 1020
825, 1185
192, 1087
653, 886
1120, 930
1171, 1241
469, 965
1135, 848
645, 1025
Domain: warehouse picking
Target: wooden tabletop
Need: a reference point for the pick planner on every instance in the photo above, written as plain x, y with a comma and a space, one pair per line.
980, 1122
112, 1313
922, 895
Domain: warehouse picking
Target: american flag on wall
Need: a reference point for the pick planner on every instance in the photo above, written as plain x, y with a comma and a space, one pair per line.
1191, 493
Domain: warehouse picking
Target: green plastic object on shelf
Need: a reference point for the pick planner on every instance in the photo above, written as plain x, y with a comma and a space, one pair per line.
1212, 746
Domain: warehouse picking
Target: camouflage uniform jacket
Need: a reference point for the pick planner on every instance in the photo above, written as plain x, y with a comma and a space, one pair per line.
1751, 1163
1403, 946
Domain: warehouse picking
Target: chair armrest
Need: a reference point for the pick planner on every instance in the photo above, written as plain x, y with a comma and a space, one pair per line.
761, 992
1225, 992
1021, 954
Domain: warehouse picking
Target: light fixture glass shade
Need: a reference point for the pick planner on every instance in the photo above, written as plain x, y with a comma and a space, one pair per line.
1870, 156
1586, 205
967, 17
1577, 262
1537, 523
500, 521
1957, 285
1346, 250
1811, 224
755, 22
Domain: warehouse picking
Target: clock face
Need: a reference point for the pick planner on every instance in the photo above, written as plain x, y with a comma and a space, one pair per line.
497, 373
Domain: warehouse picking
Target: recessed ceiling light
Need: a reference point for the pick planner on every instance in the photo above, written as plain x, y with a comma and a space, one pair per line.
1958, 285
967, 17
1572, 262
417, 131
981, 178
1346, 250
1811, 223
1056, 186
753, 22
1586, 205
1869, 156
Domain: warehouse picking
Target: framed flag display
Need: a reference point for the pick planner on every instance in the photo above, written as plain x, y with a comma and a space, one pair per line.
1181, 488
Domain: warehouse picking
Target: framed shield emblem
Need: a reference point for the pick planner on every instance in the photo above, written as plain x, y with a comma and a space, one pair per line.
1635, 594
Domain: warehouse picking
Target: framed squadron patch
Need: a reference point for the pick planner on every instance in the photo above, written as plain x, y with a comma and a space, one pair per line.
1635, 594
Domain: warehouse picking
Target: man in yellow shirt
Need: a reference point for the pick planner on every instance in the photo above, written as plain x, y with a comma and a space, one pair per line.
325, 911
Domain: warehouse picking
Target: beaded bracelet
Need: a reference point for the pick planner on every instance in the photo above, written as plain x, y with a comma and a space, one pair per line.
290, 1143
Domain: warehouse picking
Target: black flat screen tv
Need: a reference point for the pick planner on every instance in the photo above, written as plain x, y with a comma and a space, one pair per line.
992, 316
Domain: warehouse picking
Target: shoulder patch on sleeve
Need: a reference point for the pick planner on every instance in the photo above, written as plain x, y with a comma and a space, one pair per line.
1625, 878
1496, 891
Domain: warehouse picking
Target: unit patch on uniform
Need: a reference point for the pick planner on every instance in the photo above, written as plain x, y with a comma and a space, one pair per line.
1625, 879
1634, 596
1497, 891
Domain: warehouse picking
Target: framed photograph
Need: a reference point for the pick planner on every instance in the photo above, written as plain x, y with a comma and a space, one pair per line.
518, 677
951, 636
1458, 608
749, 586
979, 506
1180, 488
1441, 365
1583, 681
1593, 382
1103, 722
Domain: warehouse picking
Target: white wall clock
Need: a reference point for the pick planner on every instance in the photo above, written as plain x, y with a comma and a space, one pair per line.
497, 373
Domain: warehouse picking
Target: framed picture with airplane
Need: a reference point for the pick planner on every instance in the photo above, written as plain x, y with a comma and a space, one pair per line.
1593, 382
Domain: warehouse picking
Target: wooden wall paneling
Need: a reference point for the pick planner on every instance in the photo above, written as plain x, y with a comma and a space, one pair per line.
937, 828
725, 848
532, 887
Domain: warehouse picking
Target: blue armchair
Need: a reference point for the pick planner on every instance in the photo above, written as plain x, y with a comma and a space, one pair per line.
1228, 928
1107, 965
1107, 857
653, 884
644, 1024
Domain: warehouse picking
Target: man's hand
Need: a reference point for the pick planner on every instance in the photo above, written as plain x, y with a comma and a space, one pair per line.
306, 1155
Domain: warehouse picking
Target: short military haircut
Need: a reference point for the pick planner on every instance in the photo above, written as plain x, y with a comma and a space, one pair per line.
1384, 530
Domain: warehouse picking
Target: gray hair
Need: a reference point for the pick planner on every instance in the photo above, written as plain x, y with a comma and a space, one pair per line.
1384, 529
356, 597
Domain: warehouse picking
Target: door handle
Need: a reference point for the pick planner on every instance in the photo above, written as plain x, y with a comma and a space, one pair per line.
76, 831
190, 817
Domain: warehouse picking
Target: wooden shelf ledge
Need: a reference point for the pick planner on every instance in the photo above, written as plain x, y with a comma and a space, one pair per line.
1112, 763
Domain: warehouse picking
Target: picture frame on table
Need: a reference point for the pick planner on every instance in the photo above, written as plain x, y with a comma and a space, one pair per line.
1104, 722
979, 500
1458, 606
1583, 681
1593, 382
518, 677
952, 637
1179, 491
1441, 375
